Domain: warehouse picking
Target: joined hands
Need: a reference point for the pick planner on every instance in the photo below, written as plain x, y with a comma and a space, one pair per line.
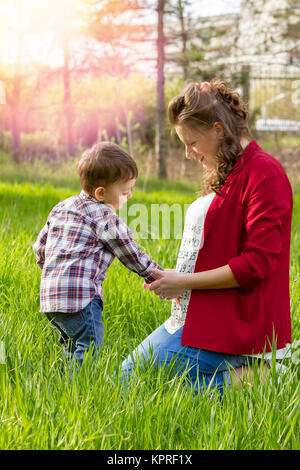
168, 285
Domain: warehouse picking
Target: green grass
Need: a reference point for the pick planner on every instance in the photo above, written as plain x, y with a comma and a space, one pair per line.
281, 141
41, 409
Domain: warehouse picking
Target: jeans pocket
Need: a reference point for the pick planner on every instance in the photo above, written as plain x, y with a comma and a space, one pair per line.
70, 323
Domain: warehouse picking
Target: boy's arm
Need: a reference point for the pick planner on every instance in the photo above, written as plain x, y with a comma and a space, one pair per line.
39, 246
118, 239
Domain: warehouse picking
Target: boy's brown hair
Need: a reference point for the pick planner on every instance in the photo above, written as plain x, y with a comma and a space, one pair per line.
104, 164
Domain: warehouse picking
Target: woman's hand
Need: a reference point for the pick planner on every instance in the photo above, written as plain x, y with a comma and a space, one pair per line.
169, 284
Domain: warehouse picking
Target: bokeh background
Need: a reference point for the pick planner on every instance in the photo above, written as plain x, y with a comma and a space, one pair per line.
73, 72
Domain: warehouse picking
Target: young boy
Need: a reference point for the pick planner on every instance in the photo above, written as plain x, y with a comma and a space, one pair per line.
78, 243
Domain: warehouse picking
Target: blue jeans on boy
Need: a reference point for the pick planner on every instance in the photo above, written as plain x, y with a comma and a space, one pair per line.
79, 331
202, 367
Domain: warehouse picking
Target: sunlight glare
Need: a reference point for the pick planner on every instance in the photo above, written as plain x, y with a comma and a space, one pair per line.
37, 26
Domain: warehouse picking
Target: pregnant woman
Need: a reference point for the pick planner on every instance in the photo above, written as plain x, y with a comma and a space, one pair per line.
230, 288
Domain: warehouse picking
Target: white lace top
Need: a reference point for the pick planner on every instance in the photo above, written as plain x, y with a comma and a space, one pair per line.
191, 243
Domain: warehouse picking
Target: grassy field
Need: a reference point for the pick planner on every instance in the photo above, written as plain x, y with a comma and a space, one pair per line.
41, 409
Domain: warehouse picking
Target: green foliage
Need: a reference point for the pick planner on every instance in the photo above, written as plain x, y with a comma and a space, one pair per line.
103, 107
5, 141
38, 145
263, 94
64, 174
272, 140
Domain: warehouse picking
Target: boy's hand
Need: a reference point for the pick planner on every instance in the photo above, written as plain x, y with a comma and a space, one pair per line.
147, 286
169, 284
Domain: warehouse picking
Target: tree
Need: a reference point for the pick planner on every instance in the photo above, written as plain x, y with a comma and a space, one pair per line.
17, 83
184, 37
160, 90
67, 98
179, 33
25, 84
108, 24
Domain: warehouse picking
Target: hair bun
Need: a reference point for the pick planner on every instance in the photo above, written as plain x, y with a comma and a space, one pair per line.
205, 86
230, 97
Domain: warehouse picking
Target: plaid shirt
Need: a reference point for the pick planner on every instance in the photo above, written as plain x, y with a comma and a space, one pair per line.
78, 243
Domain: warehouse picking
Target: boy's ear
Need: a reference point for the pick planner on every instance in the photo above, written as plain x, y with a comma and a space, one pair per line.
99, 194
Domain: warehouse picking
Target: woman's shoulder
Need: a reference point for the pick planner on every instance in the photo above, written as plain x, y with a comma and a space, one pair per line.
261, 163
264, 173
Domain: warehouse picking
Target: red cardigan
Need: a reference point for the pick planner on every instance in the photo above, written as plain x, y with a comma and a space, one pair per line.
248, 226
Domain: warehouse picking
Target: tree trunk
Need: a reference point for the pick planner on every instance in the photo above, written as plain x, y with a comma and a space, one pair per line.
16, 118
160, 124
183, 35
67, 99
128, 116
15, 108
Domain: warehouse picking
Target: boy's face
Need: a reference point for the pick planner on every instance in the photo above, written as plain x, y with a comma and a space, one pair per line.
115, 194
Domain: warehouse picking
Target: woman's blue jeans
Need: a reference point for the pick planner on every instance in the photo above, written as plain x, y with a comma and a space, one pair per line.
201, 367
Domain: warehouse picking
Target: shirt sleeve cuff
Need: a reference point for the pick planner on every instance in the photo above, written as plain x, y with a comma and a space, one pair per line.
241, 272
148, 276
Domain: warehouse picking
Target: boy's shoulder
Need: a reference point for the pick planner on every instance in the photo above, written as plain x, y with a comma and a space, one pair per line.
65, 204
85, 205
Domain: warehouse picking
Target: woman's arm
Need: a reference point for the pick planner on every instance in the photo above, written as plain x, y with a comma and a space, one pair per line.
171, 284
219, 278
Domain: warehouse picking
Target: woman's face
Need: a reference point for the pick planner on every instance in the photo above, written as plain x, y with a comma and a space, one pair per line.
201, 145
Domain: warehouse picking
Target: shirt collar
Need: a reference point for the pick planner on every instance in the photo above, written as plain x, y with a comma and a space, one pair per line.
248, 151
86, 195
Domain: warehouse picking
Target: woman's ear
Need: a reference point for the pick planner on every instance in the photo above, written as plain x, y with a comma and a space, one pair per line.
99, 194
219, 130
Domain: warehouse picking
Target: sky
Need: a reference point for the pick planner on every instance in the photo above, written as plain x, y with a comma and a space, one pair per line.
214, 7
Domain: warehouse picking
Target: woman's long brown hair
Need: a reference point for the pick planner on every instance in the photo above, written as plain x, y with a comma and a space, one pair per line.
199, 109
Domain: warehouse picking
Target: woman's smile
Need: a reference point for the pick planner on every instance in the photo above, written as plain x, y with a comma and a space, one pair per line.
202, 145
199, 157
